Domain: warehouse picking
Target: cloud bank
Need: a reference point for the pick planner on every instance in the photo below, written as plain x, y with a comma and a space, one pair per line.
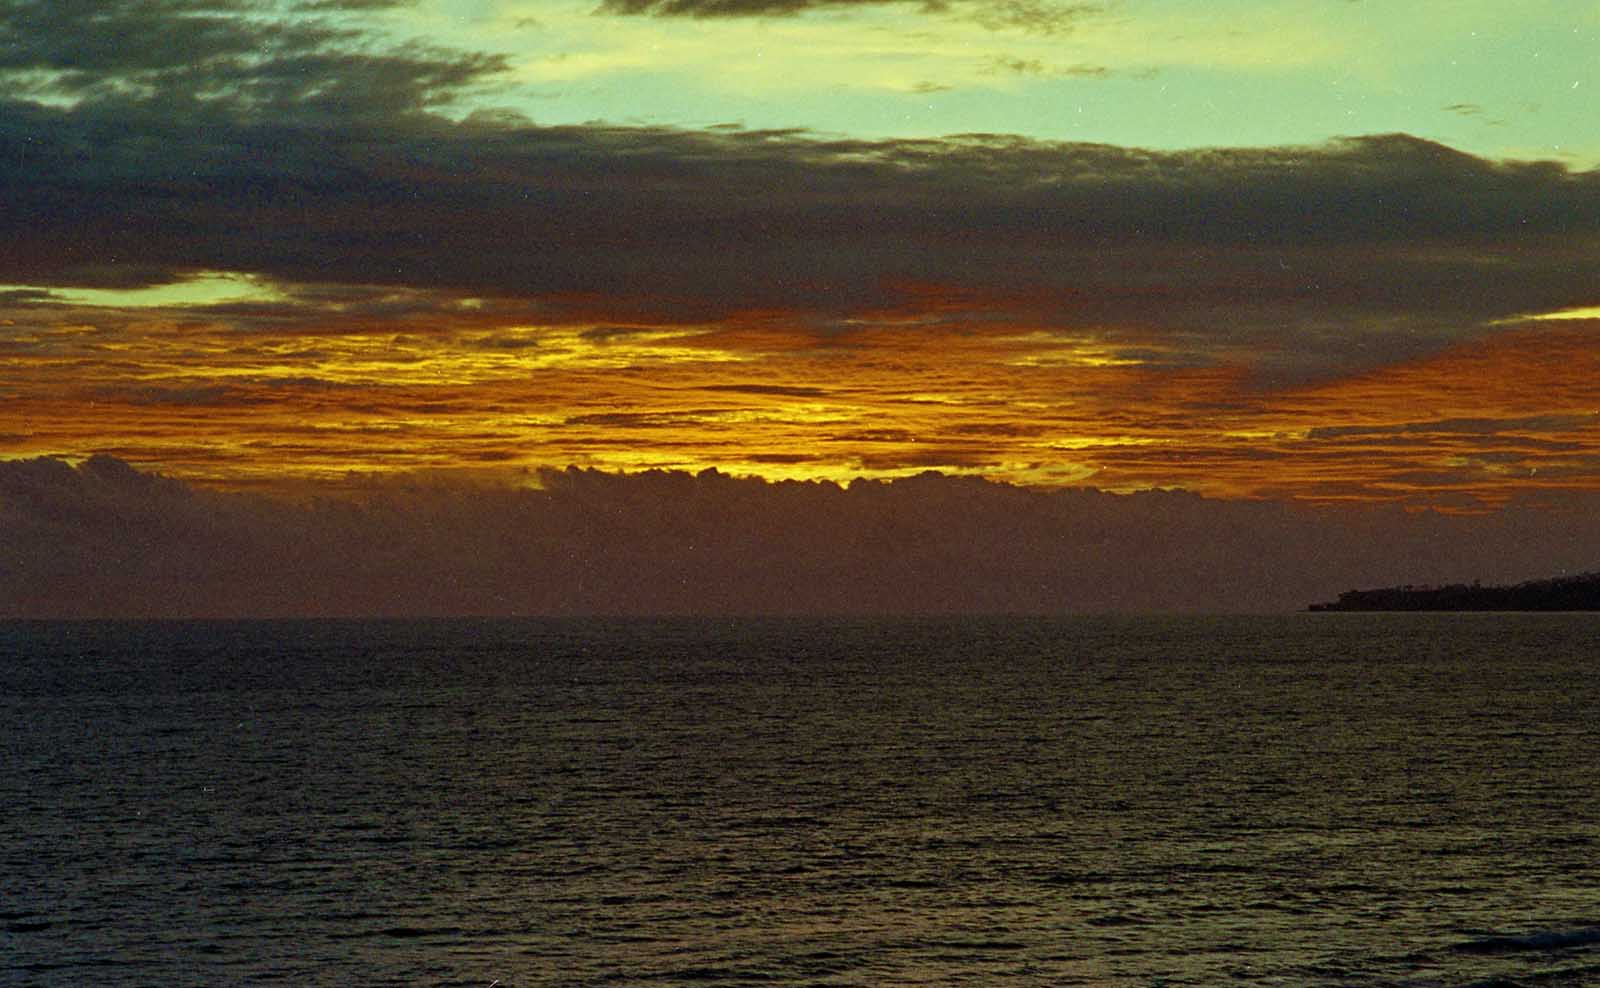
1362, 251
146, 141
249, 239
105, 539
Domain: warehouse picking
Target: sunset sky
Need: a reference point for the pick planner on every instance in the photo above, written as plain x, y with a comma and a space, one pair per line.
1317, 254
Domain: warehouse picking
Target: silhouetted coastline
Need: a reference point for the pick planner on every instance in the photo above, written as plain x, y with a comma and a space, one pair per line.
1567, 593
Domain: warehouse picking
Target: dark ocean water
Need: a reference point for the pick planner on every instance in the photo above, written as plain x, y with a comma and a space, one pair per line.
1299, 800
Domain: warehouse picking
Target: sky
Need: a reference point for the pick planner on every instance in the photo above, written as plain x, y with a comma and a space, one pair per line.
1330, 265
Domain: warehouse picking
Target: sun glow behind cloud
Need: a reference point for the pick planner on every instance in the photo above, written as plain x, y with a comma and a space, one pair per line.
300, 254
888, 394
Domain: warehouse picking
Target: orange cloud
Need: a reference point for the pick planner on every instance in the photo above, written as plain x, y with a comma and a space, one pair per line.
882, 393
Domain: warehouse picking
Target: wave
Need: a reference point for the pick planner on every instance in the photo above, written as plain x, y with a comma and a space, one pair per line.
1542, 940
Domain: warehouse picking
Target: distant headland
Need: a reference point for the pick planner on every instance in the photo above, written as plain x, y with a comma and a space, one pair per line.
1566, 593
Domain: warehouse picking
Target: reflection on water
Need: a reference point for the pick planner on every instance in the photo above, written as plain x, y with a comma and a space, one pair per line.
1310, 799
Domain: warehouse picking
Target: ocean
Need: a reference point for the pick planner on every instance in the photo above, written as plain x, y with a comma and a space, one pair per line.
1311, 799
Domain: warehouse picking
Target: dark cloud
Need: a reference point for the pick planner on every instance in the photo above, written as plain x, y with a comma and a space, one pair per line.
105, 539
210, 58
201, 396
1036, 67
782, 390
645, 420
1000, 429
1463, 426
1352, 253
231, 135
606, 334
744, 8
352, 5
504, 343
726, 8
1035, 16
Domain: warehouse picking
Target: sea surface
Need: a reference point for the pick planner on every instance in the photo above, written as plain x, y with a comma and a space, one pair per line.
1314, 799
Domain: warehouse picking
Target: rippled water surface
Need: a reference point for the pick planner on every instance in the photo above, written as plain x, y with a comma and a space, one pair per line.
1299, 800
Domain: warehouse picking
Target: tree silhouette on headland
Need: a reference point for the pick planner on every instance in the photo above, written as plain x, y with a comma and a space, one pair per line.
1566, 593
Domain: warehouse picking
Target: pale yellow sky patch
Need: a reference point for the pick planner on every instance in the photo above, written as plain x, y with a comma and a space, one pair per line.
755, 56
1587, 312
1147, 36
883, 47
1147, 73
204, 288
